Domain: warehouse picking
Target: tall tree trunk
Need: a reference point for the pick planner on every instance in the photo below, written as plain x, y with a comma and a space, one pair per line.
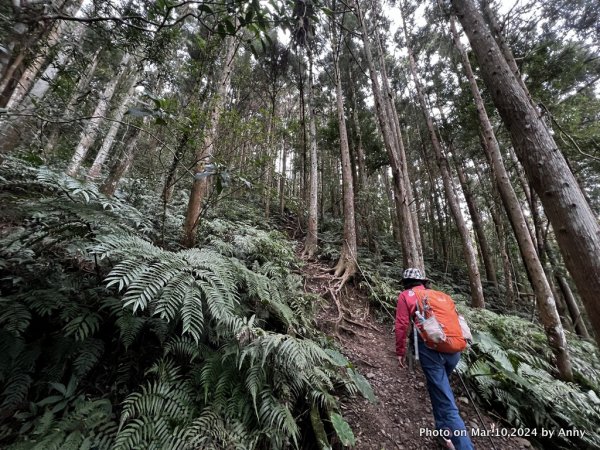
311, 245
439, 246
122, 165
570, 301
361, 174
107, 144
88, 136
29, 76
494, 206
303, 147
408, 239
486, 253
544, 296
199, 189
347, 264
470, 256
80, 89
396, 233
282, 179
576, 227
392, 114
170, 179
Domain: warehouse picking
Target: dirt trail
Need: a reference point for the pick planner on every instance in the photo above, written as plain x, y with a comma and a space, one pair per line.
401, 417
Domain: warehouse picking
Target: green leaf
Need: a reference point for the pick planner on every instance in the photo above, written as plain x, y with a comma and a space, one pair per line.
139, 112
59, 387
229, 26
337, 358
363, 385
205, 8
327, 11
49, 400
249, 16
343, 430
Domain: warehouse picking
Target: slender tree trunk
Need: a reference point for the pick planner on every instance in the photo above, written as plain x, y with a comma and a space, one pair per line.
346, 266
361, 172
439, 246
576, 227
170, 179
270, 169
392, 114
408, 239
494, 206
282, 179
486, 253
391, 205
304, 151
7, 83
88, 136
199, 189
311, 245
543, 292
109, 140
570, 301
122, 165
30, 74
470, 256
82, 85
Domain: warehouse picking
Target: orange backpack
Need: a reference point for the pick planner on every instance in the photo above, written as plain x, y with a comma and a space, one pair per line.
433, 308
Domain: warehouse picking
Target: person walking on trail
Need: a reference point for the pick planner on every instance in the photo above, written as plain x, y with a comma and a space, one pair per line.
439, 354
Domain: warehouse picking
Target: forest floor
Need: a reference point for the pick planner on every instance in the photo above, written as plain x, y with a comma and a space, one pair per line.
401, 416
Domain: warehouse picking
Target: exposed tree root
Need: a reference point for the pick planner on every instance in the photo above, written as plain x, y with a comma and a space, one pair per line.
351, 331
360, 324
340, 316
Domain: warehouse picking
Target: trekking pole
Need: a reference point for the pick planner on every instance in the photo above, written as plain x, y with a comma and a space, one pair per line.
476, 410
416, 344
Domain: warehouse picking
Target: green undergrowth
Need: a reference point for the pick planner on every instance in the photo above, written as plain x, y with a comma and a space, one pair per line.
510, 366
113, 336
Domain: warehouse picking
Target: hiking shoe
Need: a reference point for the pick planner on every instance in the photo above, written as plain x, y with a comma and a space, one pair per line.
445, 443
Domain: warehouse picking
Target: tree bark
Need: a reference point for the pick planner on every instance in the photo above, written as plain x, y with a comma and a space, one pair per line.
470, 256
486, 253
204, 153
396, 233
408, 239
122, 165
311, 242
88, 136
576, 227
109, 140
544, 296
347, 264
282, 179
80, 88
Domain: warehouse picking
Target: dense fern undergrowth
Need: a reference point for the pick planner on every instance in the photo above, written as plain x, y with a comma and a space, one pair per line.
114, 337
509, 367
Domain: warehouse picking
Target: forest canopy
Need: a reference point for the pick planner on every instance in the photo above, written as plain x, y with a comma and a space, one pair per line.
170, 170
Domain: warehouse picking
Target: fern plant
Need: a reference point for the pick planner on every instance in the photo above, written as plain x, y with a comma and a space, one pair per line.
199, 288
510, 367
110, 341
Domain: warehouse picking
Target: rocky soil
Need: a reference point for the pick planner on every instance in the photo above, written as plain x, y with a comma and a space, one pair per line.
401, 418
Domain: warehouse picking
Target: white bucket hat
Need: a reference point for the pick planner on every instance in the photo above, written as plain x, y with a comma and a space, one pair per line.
414, 274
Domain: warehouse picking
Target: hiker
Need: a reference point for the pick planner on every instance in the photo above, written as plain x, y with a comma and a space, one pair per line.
438, 360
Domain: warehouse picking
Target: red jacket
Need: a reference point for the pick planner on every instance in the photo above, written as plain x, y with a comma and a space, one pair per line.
407, 304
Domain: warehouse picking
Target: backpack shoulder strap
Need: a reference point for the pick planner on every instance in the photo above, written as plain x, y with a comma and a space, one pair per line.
419, 301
